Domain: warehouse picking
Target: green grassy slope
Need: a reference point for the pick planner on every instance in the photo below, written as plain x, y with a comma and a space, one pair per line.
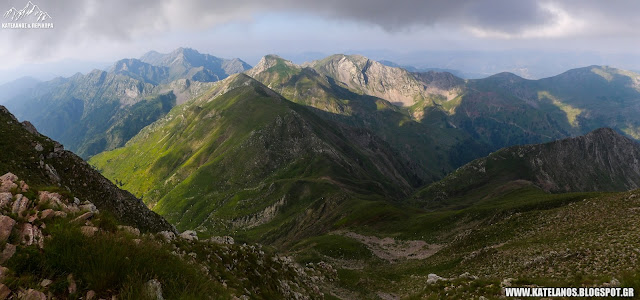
505, 110
602, 160
432, 145
242, 157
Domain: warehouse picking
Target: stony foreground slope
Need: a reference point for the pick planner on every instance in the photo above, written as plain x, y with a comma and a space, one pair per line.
56, 246
44, 163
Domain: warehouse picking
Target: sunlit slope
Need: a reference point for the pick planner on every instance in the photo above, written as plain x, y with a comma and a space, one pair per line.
242, 156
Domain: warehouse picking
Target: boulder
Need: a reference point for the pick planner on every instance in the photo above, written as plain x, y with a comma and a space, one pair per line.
23, 186
32, 218
88, 207
154, 289
45, 197
7, 182
73, 288
32, 294
46, 282
614, 282
31, 234
167, 236
433, 278
507, 282
47, 213
5, 198
60, 214
89, 230
6, 226
189, 235
83, 217
20, 205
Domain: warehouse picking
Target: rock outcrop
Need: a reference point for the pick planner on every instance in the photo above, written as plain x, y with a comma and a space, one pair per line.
41, 161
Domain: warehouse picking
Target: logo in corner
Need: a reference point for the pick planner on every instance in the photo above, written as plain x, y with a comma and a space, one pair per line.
30, 17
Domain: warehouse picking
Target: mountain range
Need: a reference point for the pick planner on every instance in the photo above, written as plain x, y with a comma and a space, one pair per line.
101, 110
389, 175
67, 232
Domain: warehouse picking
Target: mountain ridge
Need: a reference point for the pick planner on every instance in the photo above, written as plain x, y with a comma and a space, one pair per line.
42, 161
602, 160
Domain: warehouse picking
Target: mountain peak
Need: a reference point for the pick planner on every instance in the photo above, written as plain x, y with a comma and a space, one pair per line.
188, 63
270, 61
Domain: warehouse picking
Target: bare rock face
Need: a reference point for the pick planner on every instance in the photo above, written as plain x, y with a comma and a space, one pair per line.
5, 198
395, 85
31, 234
29, 127
6, 226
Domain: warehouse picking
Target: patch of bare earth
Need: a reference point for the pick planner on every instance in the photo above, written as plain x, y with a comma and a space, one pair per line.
392, 250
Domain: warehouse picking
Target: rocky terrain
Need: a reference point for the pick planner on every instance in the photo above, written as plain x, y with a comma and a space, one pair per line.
56, 246
44, 163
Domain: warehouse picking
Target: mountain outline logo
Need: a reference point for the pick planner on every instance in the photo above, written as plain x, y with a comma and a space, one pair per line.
30, 10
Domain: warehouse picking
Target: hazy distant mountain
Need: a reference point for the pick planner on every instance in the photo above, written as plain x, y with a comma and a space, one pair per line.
527, 64
505, 109
190, 64
102, 110
418, 70
142, 71
16, 87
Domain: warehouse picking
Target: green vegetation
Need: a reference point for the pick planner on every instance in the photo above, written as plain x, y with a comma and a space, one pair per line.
572, 112
208, 165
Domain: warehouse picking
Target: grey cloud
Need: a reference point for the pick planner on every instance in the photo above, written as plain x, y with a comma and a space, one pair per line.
81, 21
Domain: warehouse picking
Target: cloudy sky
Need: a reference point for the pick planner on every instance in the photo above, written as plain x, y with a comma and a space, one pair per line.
103, 31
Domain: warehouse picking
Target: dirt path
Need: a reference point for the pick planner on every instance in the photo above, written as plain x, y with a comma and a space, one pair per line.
391, 250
